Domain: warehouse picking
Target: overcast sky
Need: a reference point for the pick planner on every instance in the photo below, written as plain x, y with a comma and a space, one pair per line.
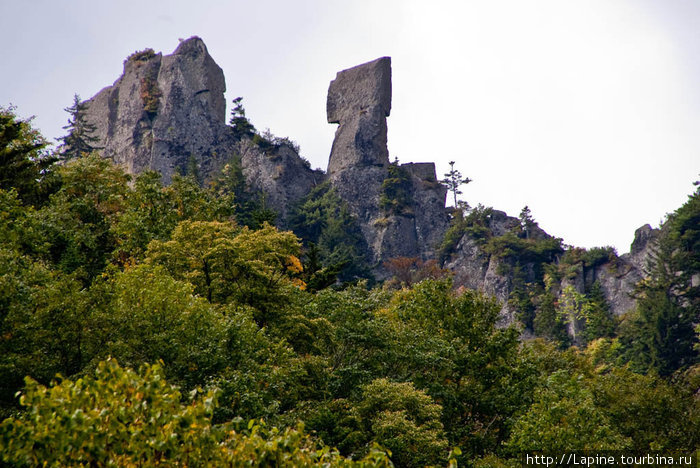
587, 111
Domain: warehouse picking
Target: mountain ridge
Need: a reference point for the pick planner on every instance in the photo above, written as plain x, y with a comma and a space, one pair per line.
166, 113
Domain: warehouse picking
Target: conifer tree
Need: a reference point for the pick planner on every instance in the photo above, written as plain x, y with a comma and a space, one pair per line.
80, 139
453, 180
240, 123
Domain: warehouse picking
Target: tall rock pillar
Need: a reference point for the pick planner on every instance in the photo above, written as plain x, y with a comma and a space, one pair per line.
359, 100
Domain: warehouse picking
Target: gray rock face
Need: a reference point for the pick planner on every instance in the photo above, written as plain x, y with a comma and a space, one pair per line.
164, 111
282, 175
618, 279
359, 100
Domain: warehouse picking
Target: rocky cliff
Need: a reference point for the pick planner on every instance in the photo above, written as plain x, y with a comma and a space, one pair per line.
164, 111
401, 209
167, 113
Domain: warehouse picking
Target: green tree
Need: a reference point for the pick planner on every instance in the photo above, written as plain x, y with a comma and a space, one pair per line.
239, 122
88, 422
548, 323
80, 139
150, 316
660, 334
76, 224
395, 197
404, 420
43, 322
229, 265
654, 414
323, 219
23, 160
527, 222
449, 345
564, 418
151, 211
453, 180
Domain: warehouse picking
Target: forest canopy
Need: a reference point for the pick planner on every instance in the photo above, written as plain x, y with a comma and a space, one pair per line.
152, 324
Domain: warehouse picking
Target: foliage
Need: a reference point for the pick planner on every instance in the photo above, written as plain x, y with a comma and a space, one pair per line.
151, 317
249, 205
152, 211
75, 224
449, 344
323, 219
23, 161
565, 417
404, 420
239, 122
591, 309
43, 319
589, 258
633, 402
527, 222
548, 322
660, 334
80, 139
142, 272
407, 271
475, 224
395, 196
141, 56
121, 418
227, 265
150, 95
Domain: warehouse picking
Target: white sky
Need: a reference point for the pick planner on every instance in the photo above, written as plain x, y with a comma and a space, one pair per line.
586, 110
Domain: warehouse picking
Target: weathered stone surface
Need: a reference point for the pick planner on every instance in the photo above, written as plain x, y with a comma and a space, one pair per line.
359, 100
618, 279
282, 175
164, 111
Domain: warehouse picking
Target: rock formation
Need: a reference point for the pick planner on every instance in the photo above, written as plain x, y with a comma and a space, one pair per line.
166, 113
359, 100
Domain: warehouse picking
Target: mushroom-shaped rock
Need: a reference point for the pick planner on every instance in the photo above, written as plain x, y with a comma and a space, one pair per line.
359, 100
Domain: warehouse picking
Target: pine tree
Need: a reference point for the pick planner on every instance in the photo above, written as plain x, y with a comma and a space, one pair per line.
240, 123
80, 139
453, 180
661, 334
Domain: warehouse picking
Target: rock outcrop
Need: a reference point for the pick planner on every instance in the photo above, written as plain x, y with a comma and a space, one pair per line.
359, 100
167, 113
280, 174
164, 112
618, 278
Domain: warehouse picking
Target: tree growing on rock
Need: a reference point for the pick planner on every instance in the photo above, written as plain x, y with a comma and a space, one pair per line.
453, 180
240, 123
80, 139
